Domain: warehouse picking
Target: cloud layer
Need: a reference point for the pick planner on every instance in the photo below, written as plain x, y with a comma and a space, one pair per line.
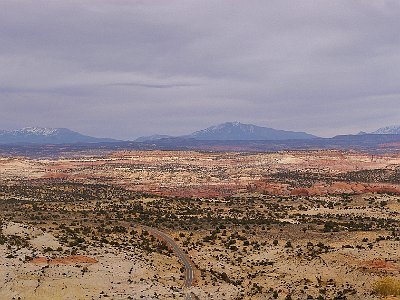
129, 68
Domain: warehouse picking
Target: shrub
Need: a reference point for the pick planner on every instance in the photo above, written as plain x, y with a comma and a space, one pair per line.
387, 286
288, 244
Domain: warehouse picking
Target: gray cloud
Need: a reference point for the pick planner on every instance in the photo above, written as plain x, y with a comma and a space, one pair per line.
128, 68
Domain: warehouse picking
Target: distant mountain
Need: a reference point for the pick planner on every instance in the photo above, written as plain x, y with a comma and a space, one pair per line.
153, 137
394, 129
245, 132
370, 143
38, 135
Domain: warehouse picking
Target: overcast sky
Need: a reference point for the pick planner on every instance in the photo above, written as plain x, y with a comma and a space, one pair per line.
128, 68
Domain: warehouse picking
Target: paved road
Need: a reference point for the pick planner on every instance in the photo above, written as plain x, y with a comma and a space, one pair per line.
189, 270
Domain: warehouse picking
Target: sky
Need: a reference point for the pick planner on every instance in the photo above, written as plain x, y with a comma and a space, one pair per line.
124, 69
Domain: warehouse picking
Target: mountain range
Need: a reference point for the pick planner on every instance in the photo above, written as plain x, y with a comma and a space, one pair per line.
229, 131
236, 131
38, 135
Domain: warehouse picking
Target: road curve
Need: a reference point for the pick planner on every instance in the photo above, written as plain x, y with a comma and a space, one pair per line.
184, 258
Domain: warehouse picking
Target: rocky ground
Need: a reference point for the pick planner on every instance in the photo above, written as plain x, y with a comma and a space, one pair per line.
39, 267
298, 225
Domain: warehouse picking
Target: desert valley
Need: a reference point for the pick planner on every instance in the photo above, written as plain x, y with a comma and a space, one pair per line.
281, 225
199, 150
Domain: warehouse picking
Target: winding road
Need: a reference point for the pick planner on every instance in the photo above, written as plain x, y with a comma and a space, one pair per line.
184, 258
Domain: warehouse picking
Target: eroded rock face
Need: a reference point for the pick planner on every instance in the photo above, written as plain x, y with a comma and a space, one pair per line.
198, 174
300, 192
379, 265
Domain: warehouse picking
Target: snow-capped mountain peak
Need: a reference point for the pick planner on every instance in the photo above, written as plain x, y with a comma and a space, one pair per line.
240, 131
37, 131
42, 135
393, 129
